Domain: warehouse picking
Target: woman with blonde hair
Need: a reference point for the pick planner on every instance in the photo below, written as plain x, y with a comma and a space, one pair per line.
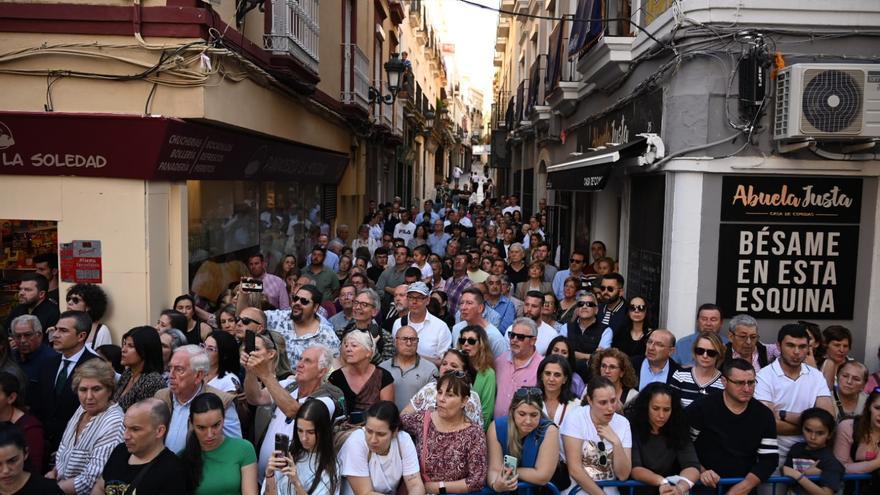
362, 383
617, 368
704, 377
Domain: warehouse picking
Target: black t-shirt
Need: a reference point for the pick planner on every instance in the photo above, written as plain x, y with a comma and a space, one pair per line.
166, 476
37, 485
832, 469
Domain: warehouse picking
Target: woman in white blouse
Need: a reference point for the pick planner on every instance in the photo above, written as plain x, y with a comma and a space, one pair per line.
378, 457
92, 433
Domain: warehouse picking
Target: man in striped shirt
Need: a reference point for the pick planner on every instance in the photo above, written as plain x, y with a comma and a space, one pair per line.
734, 434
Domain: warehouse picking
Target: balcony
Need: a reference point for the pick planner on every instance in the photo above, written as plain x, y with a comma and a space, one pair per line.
355, 80
498, 60
522, 6
507, 5
415, 13
603, 49
607, 60
295, 31
503, 27
563, 83
536, 108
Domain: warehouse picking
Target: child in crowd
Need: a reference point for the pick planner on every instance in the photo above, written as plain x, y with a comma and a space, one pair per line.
814, 456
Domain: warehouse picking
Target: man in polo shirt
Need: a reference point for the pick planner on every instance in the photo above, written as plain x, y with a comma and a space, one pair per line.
709, 319
788, 386
410, 371
657, 366
434, 335
325, 278
274, 288
518, 366
744, 343
393, 275
438, 238
472, 308
586, 334
496, 300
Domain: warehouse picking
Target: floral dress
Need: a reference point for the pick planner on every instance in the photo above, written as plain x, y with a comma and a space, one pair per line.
449, 456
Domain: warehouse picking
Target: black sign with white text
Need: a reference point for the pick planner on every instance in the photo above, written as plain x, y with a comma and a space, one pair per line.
784, 249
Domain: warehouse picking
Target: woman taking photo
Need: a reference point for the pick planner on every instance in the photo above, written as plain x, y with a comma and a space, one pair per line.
632, 338
196, 331
661, 443
225, 364
362, 383
534, 282
560, 346
93, 300
452, 450
849, 398
704, 377
213, 462
453, 361
142, 359
12, 410
526, 434
550, 310
516, 271
93, 431
379, 457
616, 367
857, 443
14, 457
554, 380
310, 467
597, 440
568, 304
474, 342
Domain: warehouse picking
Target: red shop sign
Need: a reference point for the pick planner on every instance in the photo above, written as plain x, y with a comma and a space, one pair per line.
81, 262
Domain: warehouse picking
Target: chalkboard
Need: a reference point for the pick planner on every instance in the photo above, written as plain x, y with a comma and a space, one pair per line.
645, 261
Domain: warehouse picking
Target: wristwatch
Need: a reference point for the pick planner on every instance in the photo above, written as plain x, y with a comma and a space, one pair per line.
443, 487
782, 414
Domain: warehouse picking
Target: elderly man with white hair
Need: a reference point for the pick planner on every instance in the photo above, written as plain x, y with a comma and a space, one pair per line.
187, 369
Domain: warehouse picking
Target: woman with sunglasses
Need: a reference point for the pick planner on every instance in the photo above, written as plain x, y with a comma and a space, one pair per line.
568, 303
704, 377
526, 434
560, 346
597, 440
196, 330
474, 342
93, 300
225, 367
616, 367
142, 358
554, 380
457, 362
632, 338
662, 451
857, 442
452, 449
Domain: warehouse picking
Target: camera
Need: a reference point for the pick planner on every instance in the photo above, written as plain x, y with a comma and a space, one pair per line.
252, 285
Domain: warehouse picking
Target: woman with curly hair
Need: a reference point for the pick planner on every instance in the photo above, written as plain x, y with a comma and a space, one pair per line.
616, 367
93, 300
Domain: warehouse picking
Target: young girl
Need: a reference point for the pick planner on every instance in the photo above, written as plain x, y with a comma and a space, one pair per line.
815, 455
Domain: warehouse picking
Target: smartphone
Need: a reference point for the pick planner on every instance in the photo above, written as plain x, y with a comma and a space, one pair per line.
356, 417
282, 444
510, 463
250, 341
252, 285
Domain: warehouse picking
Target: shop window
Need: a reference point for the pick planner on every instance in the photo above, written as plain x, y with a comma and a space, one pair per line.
20, 242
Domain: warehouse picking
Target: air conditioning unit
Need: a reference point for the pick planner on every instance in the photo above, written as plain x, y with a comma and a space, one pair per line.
827, 101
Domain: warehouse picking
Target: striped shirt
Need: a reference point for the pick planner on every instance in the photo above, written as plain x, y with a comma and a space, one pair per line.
83, 459
688, 388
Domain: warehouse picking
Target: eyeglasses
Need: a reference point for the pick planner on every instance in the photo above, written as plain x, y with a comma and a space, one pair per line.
699, 351
208, 348
363, 304
518, 336
743, 383
246, 321
468, 340
408, 340
305, 301
747, 338
607, 288
589, 304
637, 308
575, 260
603, 453
528, 392
74, 299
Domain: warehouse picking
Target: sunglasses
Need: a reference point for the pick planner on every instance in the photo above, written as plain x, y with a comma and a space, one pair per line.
302, 300
528, 393
74, 299
456, 373
468, 340
637, 308
518, 336
246, 320
589, 304
575, 260
607, 288
603, 453
699, 351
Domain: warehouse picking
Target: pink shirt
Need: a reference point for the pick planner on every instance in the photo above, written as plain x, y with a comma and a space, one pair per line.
510, 379
276, 291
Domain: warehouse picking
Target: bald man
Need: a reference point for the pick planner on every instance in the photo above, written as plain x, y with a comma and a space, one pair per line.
657, 365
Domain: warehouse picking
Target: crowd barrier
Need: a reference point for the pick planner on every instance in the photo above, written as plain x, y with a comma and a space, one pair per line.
631, 485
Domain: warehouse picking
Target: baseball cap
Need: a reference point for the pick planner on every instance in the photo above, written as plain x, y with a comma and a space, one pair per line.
420, 288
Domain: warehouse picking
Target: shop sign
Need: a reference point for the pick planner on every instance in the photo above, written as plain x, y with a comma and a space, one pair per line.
154, 148
788, 246
81, 262
644, 114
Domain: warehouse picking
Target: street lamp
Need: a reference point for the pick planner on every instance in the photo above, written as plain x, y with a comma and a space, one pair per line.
394, 69
426, 131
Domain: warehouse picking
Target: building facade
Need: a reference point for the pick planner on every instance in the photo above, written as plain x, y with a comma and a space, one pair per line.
666, 129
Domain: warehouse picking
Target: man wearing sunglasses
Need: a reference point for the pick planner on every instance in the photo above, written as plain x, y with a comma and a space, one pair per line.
305, 328
517, 367
612, 307
733, 433
575, 269
254, 319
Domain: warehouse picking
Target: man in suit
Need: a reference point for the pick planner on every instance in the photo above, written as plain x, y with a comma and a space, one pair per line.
57, 401
656, 365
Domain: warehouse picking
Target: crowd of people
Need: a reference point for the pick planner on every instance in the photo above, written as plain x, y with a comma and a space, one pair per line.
440, 351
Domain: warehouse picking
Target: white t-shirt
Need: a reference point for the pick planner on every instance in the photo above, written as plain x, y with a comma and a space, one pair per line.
546, 334
102, 337
385, 471
427, 272
577, 424
404, 231
278, 424
305, 471
229, 383
434, 335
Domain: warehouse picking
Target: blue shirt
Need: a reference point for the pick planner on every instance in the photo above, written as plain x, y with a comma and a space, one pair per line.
421, 217
437, 243
497, 342
505, 309
178, 430
559, 283
331, 261
647, 376
35, 361
684, 354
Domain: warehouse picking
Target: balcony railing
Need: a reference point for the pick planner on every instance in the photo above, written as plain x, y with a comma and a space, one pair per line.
559, 67
295, 31
356, 82
537, 83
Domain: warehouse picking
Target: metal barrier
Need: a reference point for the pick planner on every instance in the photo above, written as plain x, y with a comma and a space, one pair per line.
773, 481
521, 488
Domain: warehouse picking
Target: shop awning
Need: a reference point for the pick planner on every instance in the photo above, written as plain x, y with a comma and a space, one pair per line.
590, 171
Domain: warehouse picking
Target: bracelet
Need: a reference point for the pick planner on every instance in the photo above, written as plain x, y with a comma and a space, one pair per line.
802, 476
270, 477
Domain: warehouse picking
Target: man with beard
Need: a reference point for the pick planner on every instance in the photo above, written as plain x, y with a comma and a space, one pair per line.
398, 307
788, 386
33, 298
542, 254
364, 309
472, 309
304, 328
612, 305
274, 288
532, 305
325, 278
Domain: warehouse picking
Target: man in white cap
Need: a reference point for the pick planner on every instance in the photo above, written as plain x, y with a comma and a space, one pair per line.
434, 335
